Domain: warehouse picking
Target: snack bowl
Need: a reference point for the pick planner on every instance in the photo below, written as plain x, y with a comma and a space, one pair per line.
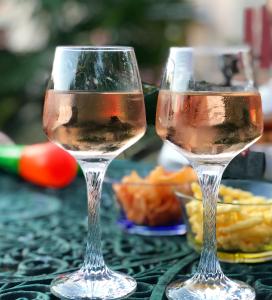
243, 220
146, 199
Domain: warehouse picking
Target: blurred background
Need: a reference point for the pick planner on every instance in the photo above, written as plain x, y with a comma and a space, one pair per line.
31, 29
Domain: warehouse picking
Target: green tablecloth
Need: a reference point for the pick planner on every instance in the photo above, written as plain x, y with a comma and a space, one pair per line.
42, 234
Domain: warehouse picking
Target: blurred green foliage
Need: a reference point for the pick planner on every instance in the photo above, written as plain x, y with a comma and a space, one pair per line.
150, 26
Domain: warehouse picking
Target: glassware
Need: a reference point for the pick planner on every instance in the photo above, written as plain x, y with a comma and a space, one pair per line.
209, 109
140, 198
243, 230
94, 109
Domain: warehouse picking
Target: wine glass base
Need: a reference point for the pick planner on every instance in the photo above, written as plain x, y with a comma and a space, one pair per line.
110, 285
226, 289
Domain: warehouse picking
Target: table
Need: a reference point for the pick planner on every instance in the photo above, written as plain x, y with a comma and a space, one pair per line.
42, 234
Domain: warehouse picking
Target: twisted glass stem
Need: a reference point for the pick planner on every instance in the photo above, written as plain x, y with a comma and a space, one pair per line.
209, 178
94, 267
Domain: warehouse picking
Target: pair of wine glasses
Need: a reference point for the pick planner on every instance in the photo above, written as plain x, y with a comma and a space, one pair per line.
208, 108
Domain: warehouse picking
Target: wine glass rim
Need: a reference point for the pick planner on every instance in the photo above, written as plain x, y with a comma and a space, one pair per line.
96, 48
213, 50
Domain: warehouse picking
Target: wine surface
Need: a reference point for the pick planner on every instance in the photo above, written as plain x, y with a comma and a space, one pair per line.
97, 123
207, 124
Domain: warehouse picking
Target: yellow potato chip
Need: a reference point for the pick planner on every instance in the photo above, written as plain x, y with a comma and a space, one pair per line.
245, 226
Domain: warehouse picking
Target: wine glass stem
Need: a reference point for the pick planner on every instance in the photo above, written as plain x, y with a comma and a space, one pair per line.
94, 171
209, 178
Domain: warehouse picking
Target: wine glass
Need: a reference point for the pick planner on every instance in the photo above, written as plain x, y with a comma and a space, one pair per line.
94, 109
209, 109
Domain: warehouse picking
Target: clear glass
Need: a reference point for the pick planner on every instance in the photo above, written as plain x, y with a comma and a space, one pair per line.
94, 109
209, 109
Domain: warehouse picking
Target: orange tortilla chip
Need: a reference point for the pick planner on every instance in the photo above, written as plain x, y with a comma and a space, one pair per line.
151, 200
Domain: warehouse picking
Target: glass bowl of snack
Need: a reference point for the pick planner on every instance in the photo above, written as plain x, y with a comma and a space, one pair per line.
243, 221
147, 201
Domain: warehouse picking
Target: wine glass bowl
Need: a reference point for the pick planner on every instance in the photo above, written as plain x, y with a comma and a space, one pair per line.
210, 111
94, 109
209, 120
113, 119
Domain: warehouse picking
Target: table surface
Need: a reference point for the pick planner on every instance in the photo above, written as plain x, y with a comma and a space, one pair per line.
42, 234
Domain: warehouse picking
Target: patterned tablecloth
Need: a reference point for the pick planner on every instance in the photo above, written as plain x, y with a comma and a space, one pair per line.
42, 234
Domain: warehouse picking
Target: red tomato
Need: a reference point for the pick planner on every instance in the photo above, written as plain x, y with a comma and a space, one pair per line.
47, 165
